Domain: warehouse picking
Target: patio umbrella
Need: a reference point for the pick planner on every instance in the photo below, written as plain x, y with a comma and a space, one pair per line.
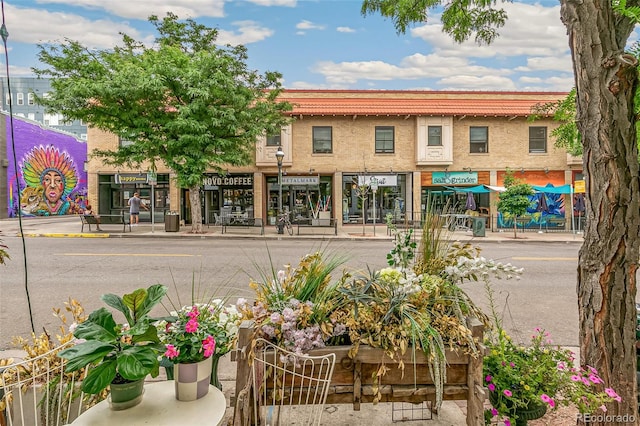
542, 207
471, 202
579, 207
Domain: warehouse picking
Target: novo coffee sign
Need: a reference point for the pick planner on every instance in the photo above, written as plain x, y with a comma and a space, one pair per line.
215, 180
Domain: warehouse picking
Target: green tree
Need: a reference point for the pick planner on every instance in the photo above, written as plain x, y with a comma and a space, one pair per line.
606, 80
183, 101
514, 201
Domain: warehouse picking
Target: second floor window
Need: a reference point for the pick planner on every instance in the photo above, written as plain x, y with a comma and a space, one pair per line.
478, 140
273, 140
434, 136
20, 98
322, 140
384, 139
31, 99
537, 139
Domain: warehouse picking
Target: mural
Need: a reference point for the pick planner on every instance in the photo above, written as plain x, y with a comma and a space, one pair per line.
50, 181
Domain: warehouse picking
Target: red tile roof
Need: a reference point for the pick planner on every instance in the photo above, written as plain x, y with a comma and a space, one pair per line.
373, 103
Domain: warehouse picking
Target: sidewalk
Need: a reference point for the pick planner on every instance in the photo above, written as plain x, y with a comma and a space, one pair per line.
70, 226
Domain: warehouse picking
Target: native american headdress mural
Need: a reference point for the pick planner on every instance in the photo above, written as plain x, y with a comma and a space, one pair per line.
50, 181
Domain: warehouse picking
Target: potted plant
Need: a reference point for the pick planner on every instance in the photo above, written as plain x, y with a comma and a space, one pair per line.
119, 353
526, 380
194, 333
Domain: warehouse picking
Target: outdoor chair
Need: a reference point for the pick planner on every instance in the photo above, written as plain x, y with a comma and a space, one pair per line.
289, 388
37, 392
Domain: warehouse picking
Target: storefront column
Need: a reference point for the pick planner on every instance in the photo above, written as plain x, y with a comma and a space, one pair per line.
415, 191
259, 206
336, 195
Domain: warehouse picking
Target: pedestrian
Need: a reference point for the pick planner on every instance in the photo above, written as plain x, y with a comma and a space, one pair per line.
134, 209
88, 211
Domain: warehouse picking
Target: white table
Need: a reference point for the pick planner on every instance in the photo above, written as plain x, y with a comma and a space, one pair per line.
457, 222
159, 407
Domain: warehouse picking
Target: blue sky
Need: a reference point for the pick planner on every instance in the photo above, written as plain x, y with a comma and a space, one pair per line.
323, 44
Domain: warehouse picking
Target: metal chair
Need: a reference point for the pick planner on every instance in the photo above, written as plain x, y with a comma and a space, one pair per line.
289, 388
37, 392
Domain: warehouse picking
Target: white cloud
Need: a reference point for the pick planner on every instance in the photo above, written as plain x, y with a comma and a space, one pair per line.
248, 32
548, 63
531, 29
102, 33
468, 82
308, 25
345, 30
141, 9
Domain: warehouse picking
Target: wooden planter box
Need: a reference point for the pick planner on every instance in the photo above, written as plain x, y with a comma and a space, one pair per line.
352, 380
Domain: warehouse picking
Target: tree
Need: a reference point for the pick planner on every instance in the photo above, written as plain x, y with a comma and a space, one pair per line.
514, 201
184, 102
606, 81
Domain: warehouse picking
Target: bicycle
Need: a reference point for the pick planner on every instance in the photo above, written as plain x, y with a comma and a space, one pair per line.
283, 220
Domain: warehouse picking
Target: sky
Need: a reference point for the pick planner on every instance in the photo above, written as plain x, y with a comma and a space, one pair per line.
317, 44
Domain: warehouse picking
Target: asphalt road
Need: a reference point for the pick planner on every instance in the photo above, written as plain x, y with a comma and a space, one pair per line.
83, 269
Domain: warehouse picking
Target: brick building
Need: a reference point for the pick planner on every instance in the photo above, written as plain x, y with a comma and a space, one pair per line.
419, 145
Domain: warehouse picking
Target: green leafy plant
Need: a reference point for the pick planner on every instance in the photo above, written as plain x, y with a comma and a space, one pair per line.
120, 352
514, 201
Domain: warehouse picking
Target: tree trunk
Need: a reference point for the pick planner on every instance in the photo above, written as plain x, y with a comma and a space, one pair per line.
606, 82
196, 211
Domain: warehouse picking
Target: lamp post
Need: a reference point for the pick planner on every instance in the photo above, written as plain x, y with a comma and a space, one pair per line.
280, 157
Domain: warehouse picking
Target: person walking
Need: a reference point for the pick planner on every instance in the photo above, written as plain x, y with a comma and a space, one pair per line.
134, 208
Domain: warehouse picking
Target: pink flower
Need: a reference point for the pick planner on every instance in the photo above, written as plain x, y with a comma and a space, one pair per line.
193, 314
603, 408
507, 393
575, 378
494, 412
546, 398
586, 381
613, 394
171, 352
209, 345
491, 387
507, 422
488, 379
191, 326
595, 379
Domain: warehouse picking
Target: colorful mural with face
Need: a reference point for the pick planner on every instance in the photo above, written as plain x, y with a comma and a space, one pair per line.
55, 172
47, 175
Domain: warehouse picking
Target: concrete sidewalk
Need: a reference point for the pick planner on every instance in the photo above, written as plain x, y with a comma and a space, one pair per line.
70, 227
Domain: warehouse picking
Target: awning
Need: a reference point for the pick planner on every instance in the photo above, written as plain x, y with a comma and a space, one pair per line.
480, 189
496, 188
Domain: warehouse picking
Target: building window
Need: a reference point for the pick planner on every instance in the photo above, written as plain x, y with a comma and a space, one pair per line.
384, 139
31, 99
479, 139
537, 139
322, 140
434, 136
20, 98
7, 99
274, 140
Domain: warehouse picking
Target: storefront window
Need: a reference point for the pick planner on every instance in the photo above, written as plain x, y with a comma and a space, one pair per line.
306, 197
390, 198
113, 197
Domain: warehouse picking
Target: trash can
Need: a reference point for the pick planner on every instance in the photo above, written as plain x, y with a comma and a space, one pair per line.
171, 222
478, 226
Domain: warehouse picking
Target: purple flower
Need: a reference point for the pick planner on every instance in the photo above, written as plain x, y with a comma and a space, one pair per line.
546, 398
507, 393
491, 387
488, 379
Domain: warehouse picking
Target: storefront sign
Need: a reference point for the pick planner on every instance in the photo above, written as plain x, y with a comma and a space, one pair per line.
454, 178
383, 180
579, 187
300, 180
215, 180
131, 178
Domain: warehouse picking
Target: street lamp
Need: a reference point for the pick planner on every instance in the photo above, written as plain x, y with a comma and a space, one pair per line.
280, 157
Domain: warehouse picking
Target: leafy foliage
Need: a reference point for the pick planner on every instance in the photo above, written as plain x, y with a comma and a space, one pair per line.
183, 102
129, 351
514, 201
